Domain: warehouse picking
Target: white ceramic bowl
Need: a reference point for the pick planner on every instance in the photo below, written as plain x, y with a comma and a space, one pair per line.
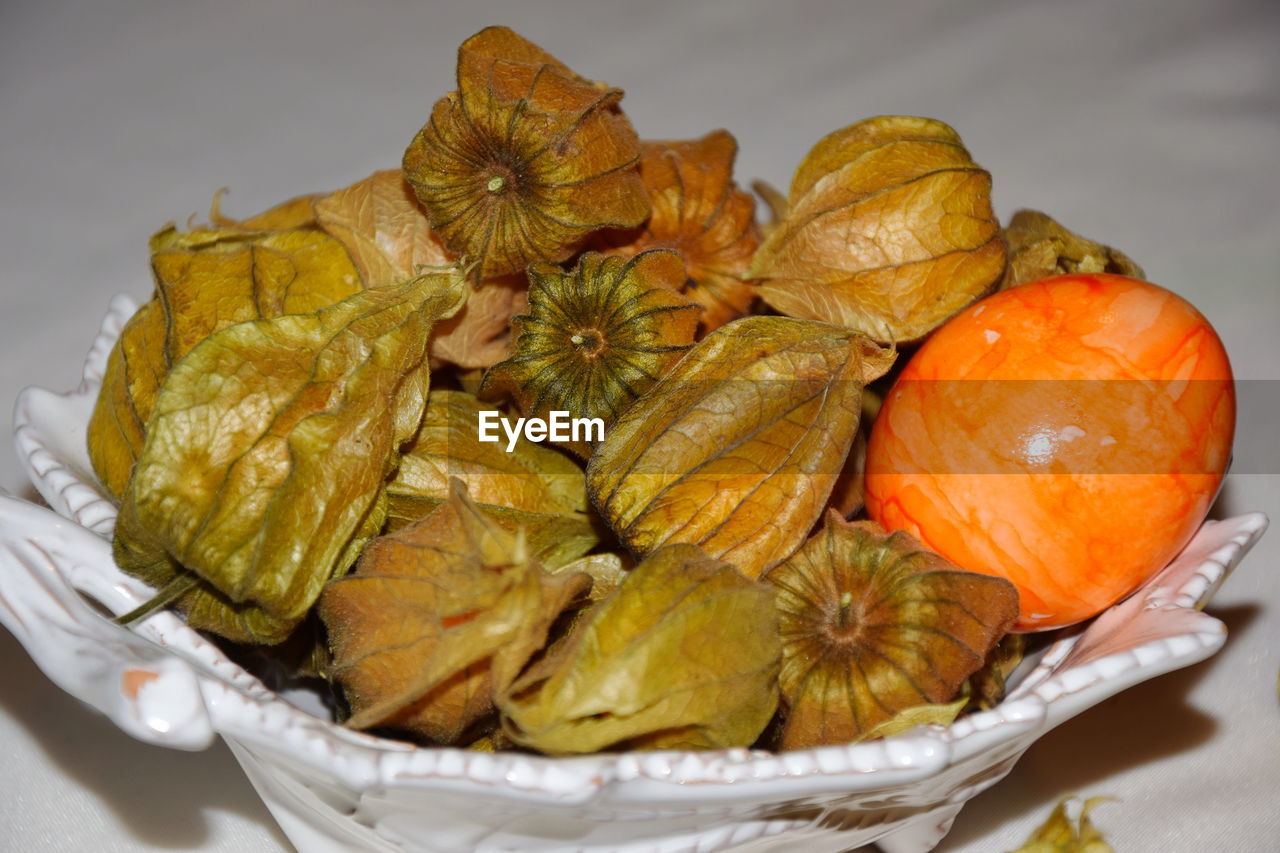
334, 789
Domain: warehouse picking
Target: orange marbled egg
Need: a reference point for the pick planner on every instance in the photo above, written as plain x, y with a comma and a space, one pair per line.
1068, 434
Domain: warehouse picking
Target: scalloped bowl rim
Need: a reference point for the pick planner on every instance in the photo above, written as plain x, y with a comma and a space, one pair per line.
234, 703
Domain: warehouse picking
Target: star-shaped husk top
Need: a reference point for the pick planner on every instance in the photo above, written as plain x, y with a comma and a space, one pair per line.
525, 159
436, 617
598, 337
701, 213
872, 625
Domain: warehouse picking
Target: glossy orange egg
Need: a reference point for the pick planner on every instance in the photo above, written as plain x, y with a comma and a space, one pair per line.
1068, 434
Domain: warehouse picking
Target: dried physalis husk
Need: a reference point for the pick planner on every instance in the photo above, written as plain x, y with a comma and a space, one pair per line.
527, 486
683, 655
848, 495
606, 571
385, 229
295, 213
436, 617
1039, 247
205, 280
596, 338
736, 449
480, 334
527, 476
917, 715
1060, 834
873, 624
889, 231
699, 212
526, 159
265, 463
987, 686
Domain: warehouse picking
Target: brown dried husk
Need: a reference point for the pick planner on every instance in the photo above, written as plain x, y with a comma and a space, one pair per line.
647, 668
699, 212
526, 159
873, 625
736, 449
1040, 247
384, 227
889, 231
436, 617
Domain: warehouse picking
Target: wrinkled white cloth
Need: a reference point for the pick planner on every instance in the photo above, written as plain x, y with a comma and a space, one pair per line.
1151, 125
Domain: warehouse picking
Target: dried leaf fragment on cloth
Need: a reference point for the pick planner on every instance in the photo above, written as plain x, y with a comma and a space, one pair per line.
682, 655
436, 617
889, 231
384, 227
265, 464
597, 337
525, 159
1039, 247
699, 212
872, 624
1060, 834
205, 280
738, 446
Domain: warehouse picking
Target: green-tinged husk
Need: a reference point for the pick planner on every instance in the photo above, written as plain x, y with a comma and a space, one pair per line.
265, 463
682, 655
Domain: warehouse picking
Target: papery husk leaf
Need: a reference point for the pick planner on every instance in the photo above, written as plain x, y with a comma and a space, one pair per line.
1059, 834
436, 617
699, 212
1040, 247
596, 337
606, 571
917, 715
526, 159
384, 228
554, 539
295, 213
986, 688
849, 495
889, 231
531, 478
481, 335
776, 203
492, 741
205, 280
266, 460
737, 448
135, 370
383, 225
872, 624
209, 285
683, 655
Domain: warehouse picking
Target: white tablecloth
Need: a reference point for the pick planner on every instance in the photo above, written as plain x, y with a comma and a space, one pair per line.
1152, 125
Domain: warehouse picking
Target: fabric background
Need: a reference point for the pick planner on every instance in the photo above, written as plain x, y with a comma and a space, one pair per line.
1154, 126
